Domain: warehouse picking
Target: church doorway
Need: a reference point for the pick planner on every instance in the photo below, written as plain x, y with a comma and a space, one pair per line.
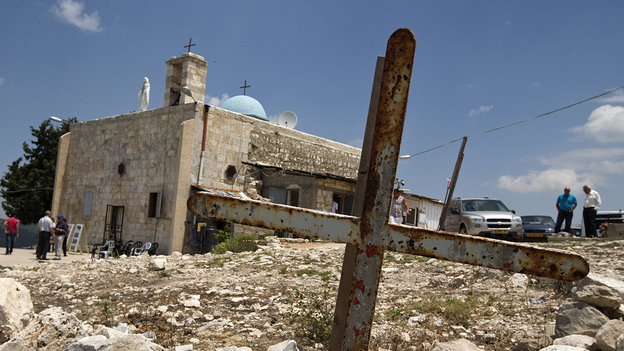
113, 226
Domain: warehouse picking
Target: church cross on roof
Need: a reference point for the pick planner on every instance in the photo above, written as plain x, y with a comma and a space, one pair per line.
244, 87
189, 45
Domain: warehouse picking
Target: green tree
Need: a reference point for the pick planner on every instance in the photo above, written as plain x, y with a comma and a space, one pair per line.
27, 187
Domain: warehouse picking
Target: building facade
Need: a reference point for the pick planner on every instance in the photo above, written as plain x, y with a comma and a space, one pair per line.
129, 176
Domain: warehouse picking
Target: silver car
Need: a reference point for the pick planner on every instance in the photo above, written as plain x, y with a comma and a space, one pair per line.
484, 217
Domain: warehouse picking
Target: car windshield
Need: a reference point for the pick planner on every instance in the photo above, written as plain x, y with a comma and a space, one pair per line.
484, 205
538, 220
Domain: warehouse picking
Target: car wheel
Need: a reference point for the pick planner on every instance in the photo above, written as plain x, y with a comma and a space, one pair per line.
462, 229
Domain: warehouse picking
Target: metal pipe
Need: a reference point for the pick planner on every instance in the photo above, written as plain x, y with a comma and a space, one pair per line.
203, 149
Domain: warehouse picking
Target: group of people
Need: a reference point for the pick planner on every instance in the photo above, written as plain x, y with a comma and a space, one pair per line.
566, 203
46, 230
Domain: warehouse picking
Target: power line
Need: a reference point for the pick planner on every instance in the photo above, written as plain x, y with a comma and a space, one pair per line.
522, 121
20, 190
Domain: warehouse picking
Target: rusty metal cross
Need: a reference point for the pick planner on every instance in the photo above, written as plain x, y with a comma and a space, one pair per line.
368, 234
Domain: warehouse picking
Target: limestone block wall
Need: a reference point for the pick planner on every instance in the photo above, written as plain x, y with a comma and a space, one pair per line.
305, 186
283, 147
233, 138
331, 187
147, 143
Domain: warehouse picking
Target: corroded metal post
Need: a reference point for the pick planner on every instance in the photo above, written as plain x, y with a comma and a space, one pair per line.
384, 157
370, 234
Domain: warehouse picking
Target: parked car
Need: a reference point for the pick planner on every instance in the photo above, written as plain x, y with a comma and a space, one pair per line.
537, 228
483, 217
575, 231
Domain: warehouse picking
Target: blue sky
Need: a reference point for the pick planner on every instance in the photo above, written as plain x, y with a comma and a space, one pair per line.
477, 66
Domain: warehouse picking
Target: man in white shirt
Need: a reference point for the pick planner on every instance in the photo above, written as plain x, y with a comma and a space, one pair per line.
591, 205
399, 206
45, 231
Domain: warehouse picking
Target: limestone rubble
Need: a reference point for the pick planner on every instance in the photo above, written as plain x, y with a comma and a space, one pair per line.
242, 300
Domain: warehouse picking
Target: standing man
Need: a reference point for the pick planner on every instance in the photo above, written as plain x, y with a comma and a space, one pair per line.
591, 205
399, 206
11, 228
566, 203
60, 231
45, 231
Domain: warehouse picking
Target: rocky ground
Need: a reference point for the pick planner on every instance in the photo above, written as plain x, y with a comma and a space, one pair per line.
244, 299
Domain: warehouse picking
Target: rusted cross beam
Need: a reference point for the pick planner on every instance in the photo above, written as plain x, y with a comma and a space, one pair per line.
367, 236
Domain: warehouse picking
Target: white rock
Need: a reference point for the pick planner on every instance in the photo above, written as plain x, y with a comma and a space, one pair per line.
582, 341
158, 264
192, 303
16, 308
288, 345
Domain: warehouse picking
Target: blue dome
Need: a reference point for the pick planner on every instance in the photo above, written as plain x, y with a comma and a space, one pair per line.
245, 105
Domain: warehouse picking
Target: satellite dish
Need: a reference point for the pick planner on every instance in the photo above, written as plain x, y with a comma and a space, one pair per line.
288, 120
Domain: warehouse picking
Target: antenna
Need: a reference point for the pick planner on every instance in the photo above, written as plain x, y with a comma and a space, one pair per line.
288, 120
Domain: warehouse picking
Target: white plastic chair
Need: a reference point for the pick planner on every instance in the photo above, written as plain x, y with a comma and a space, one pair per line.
139, 250
106, 250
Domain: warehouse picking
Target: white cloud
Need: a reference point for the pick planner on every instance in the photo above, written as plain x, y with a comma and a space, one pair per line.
1, 80
609, 161
71, 12
605, 124
215, 101
569, 169
614, 98
480, 110
540, 181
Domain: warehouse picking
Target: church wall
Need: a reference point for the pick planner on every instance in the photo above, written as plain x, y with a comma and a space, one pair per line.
233, 138
147, 143
284, 147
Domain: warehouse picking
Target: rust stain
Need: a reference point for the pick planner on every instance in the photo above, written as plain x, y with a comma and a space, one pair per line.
356, 301
359, 284
373, 250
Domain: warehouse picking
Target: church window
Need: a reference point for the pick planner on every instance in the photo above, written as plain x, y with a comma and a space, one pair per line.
230, 172
88, 203
121, 169
278, 196
153, 208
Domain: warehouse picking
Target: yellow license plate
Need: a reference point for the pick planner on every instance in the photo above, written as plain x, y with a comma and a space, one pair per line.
499, 230
535, 235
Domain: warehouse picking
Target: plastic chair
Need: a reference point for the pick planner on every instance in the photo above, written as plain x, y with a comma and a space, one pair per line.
139, 250
136, 245
152, 249
106, 250
125, 250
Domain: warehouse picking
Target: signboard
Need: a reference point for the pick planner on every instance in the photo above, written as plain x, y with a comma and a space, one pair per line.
77, 240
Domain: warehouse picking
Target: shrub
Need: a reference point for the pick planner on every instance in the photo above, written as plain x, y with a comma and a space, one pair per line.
223, 235
311, 314
451, 308
240, 244
263, 236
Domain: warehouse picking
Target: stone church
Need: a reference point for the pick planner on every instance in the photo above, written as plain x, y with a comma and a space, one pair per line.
129, 176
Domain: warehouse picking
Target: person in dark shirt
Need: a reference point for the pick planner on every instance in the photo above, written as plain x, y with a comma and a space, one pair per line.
61, 230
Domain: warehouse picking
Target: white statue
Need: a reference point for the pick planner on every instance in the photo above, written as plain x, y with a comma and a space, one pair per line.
144, 95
